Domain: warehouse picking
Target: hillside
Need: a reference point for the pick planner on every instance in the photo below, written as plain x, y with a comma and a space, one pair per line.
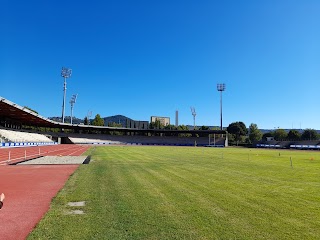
117, 119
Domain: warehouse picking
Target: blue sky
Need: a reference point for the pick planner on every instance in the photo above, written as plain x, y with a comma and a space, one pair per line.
146, 58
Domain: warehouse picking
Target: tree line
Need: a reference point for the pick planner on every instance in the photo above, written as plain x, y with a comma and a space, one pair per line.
240, 134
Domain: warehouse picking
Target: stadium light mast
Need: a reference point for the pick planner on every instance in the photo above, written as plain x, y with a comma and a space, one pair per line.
193, 112
72, 102
221, 87
65, 73
89, 114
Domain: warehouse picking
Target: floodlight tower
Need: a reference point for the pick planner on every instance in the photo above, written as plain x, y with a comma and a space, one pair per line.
72, 102
221, 87
193, 112
65, 73
177, 118
89, 114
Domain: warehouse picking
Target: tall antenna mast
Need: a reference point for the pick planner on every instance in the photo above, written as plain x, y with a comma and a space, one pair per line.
193, 112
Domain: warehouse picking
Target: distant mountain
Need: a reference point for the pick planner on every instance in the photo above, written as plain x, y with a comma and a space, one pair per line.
116, 119
67, 119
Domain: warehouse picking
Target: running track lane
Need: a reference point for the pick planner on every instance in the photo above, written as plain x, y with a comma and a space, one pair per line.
29, 191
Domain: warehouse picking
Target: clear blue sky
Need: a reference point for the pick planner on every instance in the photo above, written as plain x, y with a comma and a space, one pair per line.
145, 58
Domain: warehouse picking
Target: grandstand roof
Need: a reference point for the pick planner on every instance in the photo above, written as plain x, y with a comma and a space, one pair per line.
14, 112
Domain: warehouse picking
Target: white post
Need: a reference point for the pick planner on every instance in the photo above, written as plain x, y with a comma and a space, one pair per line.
25, 154
39, 151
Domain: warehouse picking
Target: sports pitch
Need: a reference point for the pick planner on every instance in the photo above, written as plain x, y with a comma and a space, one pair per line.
189, 193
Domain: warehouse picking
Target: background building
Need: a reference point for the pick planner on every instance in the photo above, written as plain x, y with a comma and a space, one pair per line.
137, 124
163, 120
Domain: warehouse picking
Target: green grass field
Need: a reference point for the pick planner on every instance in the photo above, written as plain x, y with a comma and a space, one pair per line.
189, 193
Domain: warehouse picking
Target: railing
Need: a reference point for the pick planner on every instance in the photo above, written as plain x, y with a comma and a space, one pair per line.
25, 144
14, 155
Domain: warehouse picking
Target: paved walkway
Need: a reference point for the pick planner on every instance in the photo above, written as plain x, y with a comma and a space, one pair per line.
51, 160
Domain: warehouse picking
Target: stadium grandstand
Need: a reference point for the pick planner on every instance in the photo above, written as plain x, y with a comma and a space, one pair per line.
21, 126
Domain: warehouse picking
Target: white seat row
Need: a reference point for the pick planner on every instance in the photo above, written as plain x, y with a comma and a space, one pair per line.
92, 141
16, 136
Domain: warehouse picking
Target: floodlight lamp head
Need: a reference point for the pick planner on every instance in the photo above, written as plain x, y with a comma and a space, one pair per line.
221, 87
193, 111
73, 98
66, 72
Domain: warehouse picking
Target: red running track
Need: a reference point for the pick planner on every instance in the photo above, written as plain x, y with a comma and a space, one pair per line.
29, 190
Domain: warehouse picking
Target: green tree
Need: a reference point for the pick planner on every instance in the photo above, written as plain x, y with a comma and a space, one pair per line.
238, 129
30, 109
156, 125
170, 127
98, 121
294, 135
309, 134
220, 135
115, 125
266, 135
204, 128
231, 138
254, 133
86, 121
280, 134
183, 127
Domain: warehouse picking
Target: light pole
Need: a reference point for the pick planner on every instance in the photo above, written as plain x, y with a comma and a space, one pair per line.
221, 87
89, 114
72, 102
65, 73
193, 112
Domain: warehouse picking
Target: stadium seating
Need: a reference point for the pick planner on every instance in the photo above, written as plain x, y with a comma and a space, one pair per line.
23, 137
